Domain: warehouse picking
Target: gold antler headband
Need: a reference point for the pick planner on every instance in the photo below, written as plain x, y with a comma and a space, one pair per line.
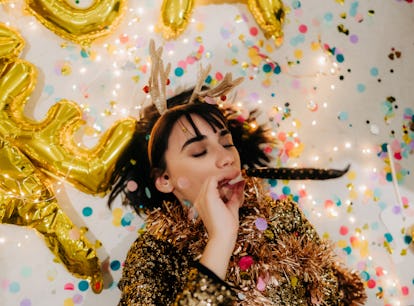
159, 78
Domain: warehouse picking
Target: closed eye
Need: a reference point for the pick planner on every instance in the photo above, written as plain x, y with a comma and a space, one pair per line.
204, 152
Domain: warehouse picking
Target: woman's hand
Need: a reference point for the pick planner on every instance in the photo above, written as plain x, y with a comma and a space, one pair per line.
220, 215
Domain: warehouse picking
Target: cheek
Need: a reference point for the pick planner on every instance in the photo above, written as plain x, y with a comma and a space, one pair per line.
183, 183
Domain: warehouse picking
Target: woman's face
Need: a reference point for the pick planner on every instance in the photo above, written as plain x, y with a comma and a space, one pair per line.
191, 159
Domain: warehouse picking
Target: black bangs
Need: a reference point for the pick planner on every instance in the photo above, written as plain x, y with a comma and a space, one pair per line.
215, 122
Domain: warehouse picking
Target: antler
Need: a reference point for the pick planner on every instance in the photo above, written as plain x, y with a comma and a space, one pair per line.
158, 78
226, 85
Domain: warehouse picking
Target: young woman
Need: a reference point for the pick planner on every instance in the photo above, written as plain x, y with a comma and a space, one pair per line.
212, 236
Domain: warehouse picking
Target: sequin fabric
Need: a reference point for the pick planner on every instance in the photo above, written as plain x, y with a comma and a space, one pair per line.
279, 259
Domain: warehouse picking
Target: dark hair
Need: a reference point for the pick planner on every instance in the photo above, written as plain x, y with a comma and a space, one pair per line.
143, 160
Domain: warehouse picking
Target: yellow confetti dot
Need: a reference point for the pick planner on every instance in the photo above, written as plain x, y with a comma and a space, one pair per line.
269, 48
293, 281
66, 69
266, 83
342, 244
315, 46
200, 27
325, 235
298, 53
351, 175
364, 249
117, 216
353, 194
68, 302
297, 123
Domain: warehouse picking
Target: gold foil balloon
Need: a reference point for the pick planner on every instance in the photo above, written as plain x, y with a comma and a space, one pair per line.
270, 16
27, 200
81, 25
11, 44
32, 152
175, 15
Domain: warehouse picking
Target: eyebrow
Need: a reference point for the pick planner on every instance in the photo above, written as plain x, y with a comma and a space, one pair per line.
200, 137
194, 139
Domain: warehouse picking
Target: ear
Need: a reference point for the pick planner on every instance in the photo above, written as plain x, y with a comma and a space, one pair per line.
163, 183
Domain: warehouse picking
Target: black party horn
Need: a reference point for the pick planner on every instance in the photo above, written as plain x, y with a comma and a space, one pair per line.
284, 173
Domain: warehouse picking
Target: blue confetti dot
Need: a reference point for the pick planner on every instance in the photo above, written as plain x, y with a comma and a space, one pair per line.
388, 177
83, 285
296, 198
374, 71
408, 239
14, 287
286, 190
273, 182
84, 53
296, 4
328, 17
125, 222
208, 79
179, 71
382, 205
115, 265
388, 237
365, 275
361, 87
87, 211
353, 9
49, 89
343, 116
277, 70
147, 193
340, 58
347, 250
267, 68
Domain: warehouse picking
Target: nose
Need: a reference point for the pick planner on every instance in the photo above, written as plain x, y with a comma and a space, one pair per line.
225, 158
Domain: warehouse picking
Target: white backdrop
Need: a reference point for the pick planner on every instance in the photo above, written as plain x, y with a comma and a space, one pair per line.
329, 106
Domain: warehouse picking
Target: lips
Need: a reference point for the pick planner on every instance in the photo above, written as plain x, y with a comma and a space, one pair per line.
226, 187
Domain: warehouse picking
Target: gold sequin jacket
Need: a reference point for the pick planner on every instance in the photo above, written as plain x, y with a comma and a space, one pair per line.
278, 259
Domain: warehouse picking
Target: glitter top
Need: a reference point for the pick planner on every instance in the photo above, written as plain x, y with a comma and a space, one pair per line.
282, 261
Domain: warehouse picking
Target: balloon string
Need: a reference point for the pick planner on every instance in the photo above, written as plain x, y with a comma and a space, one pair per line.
394, 177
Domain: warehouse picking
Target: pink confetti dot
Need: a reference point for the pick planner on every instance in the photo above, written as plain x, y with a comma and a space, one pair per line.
69, 286
329, 204
261, 224
245, 262
191, 60
132, 186
371, 283
254, 31
296, 84
123, 38
281, 136
405, 290
343, 230
182, 64
379, 271
219, 76
303, 28
77, 299
261, 285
